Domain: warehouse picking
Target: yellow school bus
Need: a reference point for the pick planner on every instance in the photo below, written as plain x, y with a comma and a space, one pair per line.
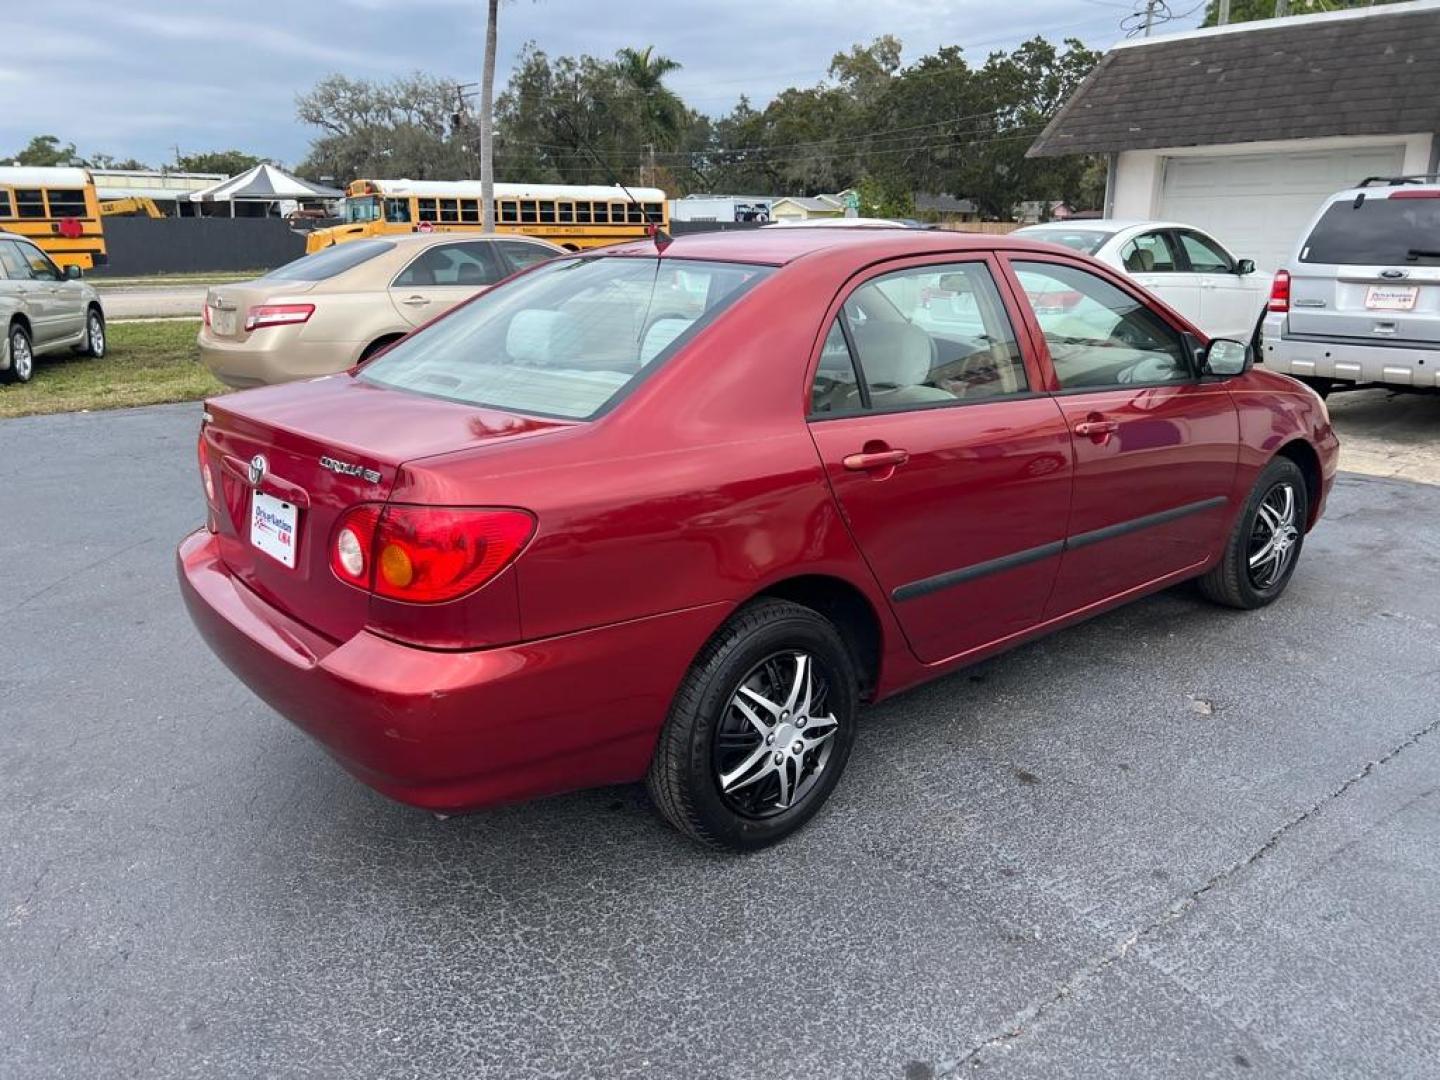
58, 209
571, 215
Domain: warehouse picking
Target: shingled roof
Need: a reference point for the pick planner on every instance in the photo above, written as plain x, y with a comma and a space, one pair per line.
1375, 71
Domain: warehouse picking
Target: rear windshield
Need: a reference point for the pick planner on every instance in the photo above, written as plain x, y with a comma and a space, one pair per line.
331, 261
1085, 241
566, 339
1378, 231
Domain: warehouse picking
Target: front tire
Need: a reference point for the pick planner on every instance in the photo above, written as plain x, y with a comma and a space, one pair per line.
1263, 548
760, 730
94, 344
22, 355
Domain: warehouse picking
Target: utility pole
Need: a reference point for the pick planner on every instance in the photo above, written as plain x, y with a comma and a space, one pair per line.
487, 125
1224, 13
649, 165
1150, 6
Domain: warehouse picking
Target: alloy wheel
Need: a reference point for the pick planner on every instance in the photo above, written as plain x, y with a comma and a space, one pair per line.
97, 335
776, 736
1274, 536
22, 358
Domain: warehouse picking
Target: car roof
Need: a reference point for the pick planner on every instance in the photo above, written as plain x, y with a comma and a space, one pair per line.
419, 240
776, 247
1111, 224
1382, 190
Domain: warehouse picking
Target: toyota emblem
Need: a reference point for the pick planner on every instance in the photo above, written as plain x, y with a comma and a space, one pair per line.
258, 467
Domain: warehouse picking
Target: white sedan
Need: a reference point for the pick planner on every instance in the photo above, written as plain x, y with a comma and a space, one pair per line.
1187, 268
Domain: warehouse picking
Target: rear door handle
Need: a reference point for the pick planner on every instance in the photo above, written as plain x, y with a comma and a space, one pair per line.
876, 459
1097, 427
415, 301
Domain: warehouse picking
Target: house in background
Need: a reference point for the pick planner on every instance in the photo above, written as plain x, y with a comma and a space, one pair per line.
1243, 130
946, 209
806, 208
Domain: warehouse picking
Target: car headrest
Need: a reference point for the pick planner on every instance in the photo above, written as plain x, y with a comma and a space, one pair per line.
543, 337
470, 274
421, 275
893, 354
658, 338
1140, 261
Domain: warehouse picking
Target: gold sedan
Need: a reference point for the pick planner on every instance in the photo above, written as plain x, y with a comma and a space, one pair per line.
328, 311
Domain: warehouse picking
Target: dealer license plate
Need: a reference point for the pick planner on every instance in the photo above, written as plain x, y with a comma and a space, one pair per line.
223, 321
1391, 297
273, 527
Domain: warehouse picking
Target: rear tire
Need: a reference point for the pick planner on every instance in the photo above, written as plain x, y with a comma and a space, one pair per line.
1264, 547
760, 729
95, 341
22, 355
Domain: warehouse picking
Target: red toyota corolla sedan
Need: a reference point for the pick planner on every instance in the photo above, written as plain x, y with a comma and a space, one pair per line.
676, 515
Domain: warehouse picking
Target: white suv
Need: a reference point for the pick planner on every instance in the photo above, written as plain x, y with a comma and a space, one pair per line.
1359, 303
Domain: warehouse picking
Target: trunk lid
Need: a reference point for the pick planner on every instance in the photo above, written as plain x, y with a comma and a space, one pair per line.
1379, 303
227, 305
328, 444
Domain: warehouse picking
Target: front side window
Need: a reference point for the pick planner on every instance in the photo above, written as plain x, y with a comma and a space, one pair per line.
933, 335
331, 261
453, 265
1148, 254
1375, 232
567, 339
29, 203
1100, 336
1206, 257
41, 268
361, 210
67, 203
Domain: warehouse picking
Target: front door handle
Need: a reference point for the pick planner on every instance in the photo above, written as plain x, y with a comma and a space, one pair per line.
876, 459
1097, 427
415, 301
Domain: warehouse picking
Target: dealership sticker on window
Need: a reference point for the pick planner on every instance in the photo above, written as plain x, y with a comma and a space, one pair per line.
272, 527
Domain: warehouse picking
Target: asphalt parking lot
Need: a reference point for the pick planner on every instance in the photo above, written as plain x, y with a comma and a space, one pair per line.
1176, 841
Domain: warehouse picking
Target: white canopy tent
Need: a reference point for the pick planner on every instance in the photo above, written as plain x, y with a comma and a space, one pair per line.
263, 188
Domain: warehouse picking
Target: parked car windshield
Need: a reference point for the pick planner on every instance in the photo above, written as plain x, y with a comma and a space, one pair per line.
566, 339
331, 261
1085, 241
1378, 231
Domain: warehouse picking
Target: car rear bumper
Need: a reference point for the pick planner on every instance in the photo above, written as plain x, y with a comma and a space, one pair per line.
454, 730
274, 354
1363, 362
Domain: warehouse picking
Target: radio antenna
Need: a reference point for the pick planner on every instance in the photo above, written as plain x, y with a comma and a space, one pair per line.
661, 238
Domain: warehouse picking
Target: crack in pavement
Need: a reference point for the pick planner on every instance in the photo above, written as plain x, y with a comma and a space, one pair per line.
1026, 1018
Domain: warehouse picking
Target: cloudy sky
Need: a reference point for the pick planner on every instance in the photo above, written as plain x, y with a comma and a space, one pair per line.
140, 77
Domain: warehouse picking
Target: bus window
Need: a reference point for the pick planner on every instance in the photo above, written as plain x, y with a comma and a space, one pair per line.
470, 210
654, 211
547, 213
601, 213
582, 213
449, 210
635, 214
361, 210
66, 203
565, 213
617, 213
397, 211
510, 212
5, 210
29, 203
527, 212
426, 209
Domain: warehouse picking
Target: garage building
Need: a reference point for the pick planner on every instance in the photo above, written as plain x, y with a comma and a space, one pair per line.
1243, 130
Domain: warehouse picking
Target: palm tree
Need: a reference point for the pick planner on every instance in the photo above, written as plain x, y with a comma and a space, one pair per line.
661, 112
487, 124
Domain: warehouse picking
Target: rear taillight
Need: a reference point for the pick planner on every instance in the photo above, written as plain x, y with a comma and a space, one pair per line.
277, 315
426, 554
205, 314
1280, 291
205, 478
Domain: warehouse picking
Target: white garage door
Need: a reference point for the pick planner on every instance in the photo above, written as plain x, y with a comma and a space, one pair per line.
1258, 204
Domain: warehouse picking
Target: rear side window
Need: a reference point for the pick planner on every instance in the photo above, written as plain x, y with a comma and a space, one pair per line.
933, 335
522, 254
453, 264
331, 261
1377, 231
567, 339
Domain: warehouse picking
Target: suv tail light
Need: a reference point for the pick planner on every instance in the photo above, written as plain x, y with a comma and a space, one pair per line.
277, 315
426, 554
205, 314
1280, 291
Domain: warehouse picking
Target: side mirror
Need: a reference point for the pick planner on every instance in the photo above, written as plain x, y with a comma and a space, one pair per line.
1245, 266
72, 273
1226, 358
